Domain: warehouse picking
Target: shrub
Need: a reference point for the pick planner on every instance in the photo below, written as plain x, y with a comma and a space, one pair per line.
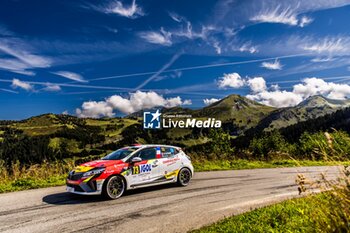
335, 145
220, 144
263, 146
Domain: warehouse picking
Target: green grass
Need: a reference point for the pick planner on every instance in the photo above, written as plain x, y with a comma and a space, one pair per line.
294, 215
34, 176
32, 183
216, 165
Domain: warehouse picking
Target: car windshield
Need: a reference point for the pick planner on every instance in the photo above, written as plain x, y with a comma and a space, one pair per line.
119, 154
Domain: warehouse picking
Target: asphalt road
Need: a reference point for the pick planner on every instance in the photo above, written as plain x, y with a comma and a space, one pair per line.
209, 197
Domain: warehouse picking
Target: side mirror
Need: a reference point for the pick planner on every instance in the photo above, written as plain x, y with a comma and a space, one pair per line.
136, 160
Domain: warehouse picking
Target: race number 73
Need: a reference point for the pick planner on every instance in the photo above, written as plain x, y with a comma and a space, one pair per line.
141, 169
135, 170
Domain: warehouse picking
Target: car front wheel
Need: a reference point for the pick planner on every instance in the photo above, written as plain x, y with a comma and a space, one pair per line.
184, 177
114, 187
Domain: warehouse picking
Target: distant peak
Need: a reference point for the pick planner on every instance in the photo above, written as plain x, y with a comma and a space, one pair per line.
321, 101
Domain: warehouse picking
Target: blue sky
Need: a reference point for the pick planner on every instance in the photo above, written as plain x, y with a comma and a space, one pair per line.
110, 58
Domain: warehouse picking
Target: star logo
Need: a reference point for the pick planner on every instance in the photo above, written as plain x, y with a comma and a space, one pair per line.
156, 115
151, 120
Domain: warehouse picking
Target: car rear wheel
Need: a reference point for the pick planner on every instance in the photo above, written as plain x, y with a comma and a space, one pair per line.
184, 177
114, 187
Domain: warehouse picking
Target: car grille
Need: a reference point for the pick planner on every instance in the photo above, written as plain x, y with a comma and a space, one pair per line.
75, 176
77, 188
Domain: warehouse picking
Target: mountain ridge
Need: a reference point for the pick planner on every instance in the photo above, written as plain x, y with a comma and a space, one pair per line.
311, 108
234, 109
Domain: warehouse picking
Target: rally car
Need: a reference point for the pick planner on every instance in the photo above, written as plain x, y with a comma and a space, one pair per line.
130, 168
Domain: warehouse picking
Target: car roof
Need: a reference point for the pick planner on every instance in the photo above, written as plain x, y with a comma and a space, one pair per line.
152, 145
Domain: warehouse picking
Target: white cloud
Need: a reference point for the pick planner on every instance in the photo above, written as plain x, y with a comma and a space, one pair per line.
176, 17
187, 31
276, 65
70, 75
210, 101
21, 84
163, 37
274, 11
143, 100
15, 66
320, 59
275, 87
276, 15
308, 87
283, 15
187, 102
172, 102
132, 11
24, 72
136, 102
52, 87
305, 21
95, 109
257, 84
217, 47
205, 33
317, 86
233, 80
275, 97
24, 56
65, 112
328, 45
247, 47
20, 57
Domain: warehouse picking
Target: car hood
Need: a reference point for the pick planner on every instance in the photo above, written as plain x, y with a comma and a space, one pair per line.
96, 163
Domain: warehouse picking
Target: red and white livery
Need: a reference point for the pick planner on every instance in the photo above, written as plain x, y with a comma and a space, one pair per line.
130, 168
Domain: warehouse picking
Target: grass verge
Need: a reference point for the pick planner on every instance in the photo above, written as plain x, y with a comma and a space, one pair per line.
47, 174
294, 215
216, 165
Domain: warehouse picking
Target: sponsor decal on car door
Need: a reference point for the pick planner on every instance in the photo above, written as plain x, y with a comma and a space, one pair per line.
170, 163
147, 170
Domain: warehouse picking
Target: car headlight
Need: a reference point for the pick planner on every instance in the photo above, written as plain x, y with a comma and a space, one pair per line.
94, 172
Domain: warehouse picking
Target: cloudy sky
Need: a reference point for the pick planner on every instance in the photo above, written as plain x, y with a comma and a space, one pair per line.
110, 58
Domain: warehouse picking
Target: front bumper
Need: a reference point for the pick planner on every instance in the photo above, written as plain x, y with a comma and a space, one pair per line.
72, 190
92, 187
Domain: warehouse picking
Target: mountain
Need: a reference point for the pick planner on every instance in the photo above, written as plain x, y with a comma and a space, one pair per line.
318, 101
236, 109
311, 108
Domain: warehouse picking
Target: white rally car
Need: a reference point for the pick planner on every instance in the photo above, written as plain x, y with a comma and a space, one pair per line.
130, 168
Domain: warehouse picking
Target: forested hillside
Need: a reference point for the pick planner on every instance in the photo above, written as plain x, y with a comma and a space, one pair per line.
52, 137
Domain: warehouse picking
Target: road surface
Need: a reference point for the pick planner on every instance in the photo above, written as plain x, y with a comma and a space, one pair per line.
210, 197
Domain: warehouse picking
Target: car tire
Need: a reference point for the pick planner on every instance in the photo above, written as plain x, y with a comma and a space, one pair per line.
114, 187
184, 177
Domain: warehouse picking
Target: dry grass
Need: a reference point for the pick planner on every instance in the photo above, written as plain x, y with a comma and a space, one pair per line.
47, 174
333, 211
